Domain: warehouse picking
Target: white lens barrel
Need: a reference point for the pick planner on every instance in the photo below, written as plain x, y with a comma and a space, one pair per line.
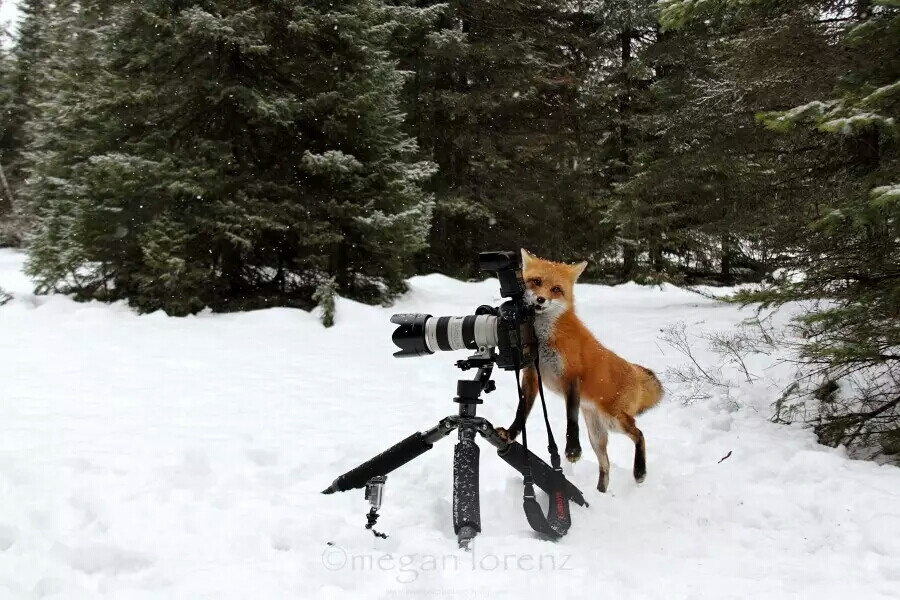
457, 333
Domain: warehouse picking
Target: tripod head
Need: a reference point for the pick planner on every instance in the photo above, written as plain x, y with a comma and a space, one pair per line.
469, 390
482, 359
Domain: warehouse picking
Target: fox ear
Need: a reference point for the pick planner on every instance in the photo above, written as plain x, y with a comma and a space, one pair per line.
578, 269
527, 257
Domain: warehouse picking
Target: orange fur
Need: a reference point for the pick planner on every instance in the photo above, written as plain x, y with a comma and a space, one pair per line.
609, 390
609, 382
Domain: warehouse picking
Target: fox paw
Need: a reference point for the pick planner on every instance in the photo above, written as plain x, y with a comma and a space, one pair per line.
573, 454
503, 433
603, 483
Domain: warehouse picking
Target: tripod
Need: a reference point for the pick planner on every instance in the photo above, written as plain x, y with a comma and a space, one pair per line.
466, 505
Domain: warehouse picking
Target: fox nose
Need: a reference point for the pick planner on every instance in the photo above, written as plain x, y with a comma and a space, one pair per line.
541, 299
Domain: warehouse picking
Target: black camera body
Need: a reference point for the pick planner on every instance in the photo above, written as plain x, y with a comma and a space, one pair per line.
509, 328
515, 326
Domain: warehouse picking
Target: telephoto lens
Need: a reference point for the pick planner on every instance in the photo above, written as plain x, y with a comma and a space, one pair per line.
418, 334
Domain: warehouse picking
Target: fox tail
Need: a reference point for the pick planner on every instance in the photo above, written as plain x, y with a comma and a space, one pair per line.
651, 390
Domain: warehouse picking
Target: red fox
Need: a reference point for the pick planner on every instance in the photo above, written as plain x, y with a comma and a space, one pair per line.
609, 390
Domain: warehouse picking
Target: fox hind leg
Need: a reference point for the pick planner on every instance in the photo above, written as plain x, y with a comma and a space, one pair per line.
599, 436
629, 428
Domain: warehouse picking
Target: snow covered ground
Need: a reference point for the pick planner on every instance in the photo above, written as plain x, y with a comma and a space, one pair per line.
153, 457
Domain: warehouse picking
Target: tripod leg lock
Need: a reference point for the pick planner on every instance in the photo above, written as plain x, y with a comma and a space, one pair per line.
375, 491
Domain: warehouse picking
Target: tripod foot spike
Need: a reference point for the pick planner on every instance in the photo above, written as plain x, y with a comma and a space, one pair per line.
466, 536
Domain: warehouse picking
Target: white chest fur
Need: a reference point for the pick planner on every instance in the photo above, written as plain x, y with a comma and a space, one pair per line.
550, 361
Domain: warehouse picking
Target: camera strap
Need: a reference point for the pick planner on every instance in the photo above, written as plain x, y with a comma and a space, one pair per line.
558, 520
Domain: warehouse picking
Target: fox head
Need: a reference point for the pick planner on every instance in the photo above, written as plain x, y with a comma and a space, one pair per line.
549, 284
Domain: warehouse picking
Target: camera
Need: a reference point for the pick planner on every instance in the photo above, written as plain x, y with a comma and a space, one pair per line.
509, 328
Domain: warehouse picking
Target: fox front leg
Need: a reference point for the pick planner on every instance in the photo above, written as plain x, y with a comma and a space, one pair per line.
573, 402
529, 392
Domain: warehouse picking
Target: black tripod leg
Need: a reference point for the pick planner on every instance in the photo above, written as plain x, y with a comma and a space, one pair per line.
544, 476
466, 505
516, 456
394, 457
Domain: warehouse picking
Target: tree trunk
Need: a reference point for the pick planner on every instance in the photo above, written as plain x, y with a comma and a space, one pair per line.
629, 250
727, 244
625, 96
629, 261
655, 242
339, 267
7, 192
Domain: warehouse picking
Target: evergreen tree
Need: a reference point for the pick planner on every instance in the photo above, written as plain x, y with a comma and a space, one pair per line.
620, 76
237, 154
833, 169
6, 198
851, 265
23, 85
722, 193
66, 129
495, 99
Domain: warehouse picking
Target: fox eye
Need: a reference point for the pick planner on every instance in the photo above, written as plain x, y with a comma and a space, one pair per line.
556, 289
536, 281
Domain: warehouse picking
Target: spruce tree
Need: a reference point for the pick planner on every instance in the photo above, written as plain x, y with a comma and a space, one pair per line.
65, 130
6, 198
23, 81
496, 98
831, 161
240, 154
851, 262
742, 188
620, 77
